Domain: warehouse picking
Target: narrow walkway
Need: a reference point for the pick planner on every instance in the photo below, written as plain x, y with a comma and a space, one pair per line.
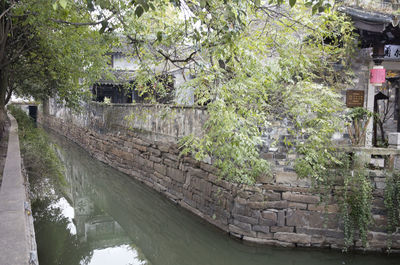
15, 230
3, 150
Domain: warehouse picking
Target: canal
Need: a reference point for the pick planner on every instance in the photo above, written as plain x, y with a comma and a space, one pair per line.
100, 216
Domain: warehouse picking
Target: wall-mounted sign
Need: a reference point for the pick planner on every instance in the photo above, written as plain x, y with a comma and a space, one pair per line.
392, 52
377, 75
354, 98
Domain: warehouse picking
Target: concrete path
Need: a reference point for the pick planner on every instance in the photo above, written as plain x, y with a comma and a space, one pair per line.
15, 234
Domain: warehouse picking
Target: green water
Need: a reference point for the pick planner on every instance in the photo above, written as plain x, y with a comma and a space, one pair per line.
103, 217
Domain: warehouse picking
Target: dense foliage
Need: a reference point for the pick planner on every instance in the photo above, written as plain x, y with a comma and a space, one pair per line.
48, 50
252, 65
40, 159
392, 204
356, 207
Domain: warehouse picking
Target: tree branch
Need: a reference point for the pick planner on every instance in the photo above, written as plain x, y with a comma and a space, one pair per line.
167, 57
83, 23
8, 96
6, 11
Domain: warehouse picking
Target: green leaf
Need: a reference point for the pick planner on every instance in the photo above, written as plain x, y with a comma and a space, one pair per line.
90, 5
55, 6
63, 3
139, 11
292, 3
104, 25
159, 36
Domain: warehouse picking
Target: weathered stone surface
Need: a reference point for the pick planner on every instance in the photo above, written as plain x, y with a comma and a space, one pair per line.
332, 208
270, 215
160, 168
291, 178
258, 197
171, 163
272, 196
293, 237
281, 218
264, 178
139, 147
239, 231
380, 184
297, 205
153, 151
171, 156
245, 219
175, 174
205, 187
322, 232
288, 229
317, 240
258, 240
155, 159
380, 221
241, 209
209, 168
261, 228
302, 218
242, 225
267, 222
163, 148
290, 196
276, 204
197, 172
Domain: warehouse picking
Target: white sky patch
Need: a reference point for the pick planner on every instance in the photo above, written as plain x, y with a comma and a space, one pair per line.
120, 255
68, 212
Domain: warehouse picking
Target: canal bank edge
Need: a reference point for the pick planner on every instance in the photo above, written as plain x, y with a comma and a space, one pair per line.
281, 211
17, 235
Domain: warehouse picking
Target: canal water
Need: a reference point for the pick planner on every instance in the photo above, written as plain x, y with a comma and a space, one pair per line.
100, 216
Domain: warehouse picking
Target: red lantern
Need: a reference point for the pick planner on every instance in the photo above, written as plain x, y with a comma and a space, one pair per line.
377, 75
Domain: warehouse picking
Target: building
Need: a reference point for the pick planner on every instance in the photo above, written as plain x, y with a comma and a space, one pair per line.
379, 43
118, 85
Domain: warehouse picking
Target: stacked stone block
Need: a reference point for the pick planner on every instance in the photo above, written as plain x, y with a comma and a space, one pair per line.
280, 210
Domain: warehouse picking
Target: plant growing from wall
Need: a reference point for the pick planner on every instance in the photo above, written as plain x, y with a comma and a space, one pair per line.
358, 119
392, 204
354, 197
356, 207
40, 159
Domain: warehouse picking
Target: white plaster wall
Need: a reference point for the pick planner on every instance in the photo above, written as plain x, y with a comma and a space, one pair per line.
183, 94
123, 62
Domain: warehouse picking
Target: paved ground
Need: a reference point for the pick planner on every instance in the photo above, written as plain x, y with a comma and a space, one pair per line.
3, 151
14, 232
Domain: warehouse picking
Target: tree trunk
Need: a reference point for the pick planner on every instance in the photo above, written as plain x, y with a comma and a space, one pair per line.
3, 92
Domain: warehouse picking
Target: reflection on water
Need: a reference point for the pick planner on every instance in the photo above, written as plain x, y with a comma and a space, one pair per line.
105, 217
118, 255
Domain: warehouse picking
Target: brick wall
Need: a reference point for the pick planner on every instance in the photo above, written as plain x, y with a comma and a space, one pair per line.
280, 210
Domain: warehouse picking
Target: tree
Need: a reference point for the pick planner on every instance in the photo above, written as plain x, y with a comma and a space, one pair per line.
48, 48
254, 65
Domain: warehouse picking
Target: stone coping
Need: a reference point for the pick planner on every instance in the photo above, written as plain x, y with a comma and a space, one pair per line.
372, 150
147, 105
16, 224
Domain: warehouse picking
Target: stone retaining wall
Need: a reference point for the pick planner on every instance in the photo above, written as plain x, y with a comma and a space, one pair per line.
280, 210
